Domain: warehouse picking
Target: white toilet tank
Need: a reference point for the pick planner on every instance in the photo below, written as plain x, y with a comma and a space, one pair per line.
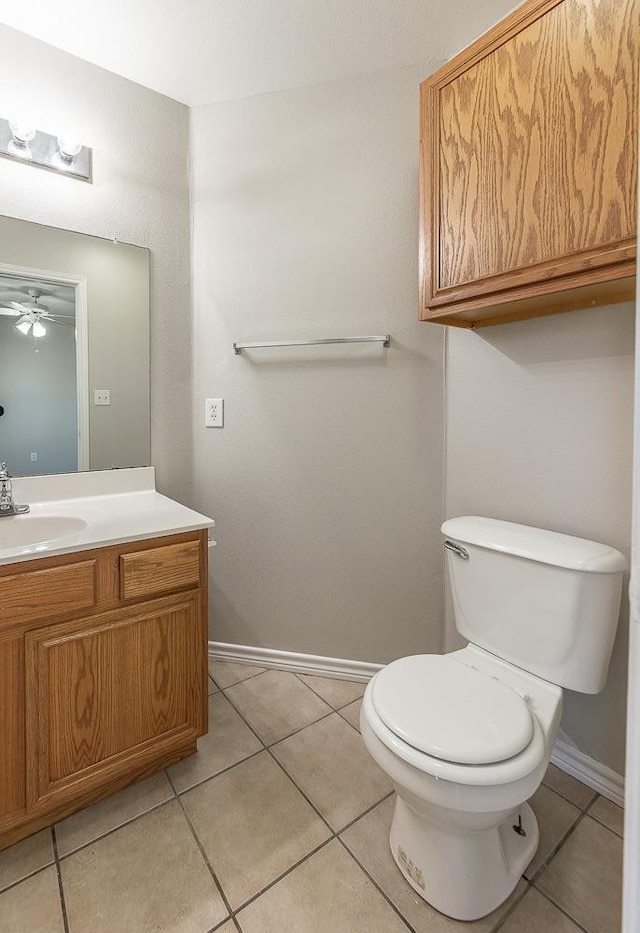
543, 601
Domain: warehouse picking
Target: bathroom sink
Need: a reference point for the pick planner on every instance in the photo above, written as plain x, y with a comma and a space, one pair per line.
24, 530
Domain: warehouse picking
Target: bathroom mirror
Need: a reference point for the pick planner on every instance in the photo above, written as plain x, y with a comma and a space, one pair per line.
74, 351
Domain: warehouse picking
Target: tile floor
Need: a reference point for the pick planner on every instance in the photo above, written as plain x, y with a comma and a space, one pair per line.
280, 823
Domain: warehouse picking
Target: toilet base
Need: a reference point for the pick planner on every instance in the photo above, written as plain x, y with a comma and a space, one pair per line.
463, 873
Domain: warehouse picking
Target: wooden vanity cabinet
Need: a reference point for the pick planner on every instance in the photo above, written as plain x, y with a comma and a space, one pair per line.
103, 673
529, 166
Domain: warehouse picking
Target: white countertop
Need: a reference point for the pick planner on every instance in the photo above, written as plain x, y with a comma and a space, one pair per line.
117, 506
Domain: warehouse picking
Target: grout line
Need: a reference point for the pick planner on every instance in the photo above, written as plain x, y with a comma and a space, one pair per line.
63, 904
377, 886
336, 709
259, 671
282, 875
204, 855
512, 907
32, 874
210, 777
582, 808
556, 848
564, 911
268, 749
110, 832
301, 729
339, 712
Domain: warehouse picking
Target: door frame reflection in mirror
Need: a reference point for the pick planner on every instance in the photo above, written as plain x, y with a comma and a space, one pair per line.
79, 284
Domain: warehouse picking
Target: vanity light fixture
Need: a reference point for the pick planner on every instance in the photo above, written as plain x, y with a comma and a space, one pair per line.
20, 141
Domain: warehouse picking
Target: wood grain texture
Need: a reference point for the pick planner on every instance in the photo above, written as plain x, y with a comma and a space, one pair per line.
529, 156
46, 594
95, 692
99, 693
12, 738
18, 826
159, 570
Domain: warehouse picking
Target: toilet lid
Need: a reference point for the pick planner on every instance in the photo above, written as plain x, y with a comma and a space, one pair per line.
451, 711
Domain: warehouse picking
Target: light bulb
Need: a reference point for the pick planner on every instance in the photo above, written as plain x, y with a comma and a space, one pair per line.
69, 147
22, 132
39, 330
24, 328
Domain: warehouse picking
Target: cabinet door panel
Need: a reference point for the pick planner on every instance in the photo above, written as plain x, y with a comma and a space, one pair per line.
529, 168
100, 695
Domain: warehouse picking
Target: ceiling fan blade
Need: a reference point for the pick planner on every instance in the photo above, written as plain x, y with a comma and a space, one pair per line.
51, 314
18, 306
53, 320
9, 312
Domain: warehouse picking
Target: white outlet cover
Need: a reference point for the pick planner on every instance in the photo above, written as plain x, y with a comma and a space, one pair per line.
101, 396
214, 413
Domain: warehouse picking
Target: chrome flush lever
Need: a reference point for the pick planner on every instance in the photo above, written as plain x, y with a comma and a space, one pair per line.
457, 549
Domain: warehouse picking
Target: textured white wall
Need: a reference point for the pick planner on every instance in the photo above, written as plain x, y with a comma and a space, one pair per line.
326, 479
140, 194
539, 431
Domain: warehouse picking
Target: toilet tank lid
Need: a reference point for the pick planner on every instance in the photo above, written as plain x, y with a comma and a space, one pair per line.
537, 544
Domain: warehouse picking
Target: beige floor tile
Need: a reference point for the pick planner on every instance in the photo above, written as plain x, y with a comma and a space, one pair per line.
335, 692
352, 713
555, 817
585, 877
567, 786
113, 811
535, 914
328, 761
228, 741
326, 894
276, 704
213, 687
254, 825
226, 673
33, 906
609, 814
25, 857
147, 876
368, 839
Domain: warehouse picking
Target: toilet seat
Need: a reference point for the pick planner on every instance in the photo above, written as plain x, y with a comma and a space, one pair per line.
451, 711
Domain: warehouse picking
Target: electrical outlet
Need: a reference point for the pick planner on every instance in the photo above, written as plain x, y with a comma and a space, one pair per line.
34, 456
101, 397
214, 413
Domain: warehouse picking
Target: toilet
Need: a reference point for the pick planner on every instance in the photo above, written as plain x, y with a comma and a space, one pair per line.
466, 737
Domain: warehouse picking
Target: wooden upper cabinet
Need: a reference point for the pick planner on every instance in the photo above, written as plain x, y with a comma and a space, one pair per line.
529, 166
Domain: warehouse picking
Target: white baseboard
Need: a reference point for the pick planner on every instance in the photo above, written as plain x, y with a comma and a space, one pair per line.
598, 776
339, 668
589, 771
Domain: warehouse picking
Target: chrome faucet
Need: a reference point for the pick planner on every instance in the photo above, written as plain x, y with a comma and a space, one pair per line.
7, 505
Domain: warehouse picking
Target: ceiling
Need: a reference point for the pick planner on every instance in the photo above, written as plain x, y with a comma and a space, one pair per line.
55, 297
201, 51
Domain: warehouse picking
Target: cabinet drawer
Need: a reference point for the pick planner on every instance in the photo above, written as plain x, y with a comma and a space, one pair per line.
44, 594
159, 570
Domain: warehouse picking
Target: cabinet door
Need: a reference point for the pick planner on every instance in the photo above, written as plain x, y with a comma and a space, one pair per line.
108, 694
529, 172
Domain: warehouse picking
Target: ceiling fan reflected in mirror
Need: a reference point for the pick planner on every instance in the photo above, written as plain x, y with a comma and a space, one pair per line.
33, 315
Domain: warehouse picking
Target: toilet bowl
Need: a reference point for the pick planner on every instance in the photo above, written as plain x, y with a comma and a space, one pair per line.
462, 833
466, 737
